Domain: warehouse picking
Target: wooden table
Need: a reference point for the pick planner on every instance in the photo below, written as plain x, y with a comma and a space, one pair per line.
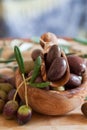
73, 120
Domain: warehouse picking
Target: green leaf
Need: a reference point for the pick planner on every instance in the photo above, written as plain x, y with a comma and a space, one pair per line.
80, 40
7, 61
19, 59
36, 69
1, 50
40, 85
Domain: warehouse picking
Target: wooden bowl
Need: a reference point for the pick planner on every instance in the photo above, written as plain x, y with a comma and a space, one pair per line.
53, 102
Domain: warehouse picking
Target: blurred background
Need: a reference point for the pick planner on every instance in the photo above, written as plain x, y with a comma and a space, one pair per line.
27, 18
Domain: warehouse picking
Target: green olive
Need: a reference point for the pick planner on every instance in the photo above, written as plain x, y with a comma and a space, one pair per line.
3, 95
29, 65
6, 87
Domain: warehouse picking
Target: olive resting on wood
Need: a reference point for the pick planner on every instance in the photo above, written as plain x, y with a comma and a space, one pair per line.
77, 64
74, 81
57, 69
84, 109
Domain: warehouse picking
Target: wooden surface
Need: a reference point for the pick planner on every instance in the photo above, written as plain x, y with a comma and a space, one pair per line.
73, 120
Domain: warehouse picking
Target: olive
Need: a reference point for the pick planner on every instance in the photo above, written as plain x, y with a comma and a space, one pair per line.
2, 103
57, 69
7, 79
84, 109
77, 64
10, 109
24, 114
61, 88
38, 79
30, 73
6, 87
2, 79
29, 65
36, 53
10, 95
74, 81
3, 95
53, 53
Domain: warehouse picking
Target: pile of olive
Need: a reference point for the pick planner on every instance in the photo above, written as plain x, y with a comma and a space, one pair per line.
5, 88
77, 68
56, 67
11, 105
53, 61
13, 108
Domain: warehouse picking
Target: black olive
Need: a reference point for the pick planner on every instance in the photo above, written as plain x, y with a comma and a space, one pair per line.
77, 64
74, 81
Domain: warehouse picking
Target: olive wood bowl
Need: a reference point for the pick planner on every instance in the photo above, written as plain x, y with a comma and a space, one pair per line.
52, 102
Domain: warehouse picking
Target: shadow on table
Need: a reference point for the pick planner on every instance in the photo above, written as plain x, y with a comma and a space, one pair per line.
69, 119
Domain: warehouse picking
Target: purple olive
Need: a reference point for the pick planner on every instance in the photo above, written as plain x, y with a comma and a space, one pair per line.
30, 73
2, 103
10, 109
77, 64
36, 53
11, 93
84, 109
54, 52
7, 79
24, 114
38, 79
74, 81
57, 69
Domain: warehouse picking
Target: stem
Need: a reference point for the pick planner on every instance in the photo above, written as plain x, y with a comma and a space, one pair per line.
20, 87
7, 61
26, 99
17, 90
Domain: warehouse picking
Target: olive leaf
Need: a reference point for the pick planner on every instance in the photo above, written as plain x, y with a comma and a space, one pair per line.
40, 85
7, 61
1, 50
20, 62
80, 40
19, 59
36, 68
